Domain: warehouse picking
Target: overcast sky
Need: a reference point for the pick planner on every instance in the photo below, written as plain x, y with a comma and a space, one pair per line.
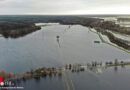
64, 7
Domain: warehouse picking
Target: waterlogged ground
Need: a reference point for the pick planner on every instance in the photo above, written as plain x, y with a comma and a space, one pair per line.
76, 46
109, 79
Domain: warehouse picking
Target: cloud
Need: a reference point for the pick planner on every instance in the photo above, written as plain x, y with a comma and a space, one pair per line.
63, 6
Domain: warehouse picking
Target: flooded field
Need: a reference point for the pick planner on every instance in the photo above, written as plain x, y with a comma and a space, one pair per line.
76, 45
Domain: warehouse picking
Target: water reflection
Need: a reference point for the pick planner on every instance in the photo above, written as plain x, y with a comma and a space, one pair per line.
58, 40
116, 68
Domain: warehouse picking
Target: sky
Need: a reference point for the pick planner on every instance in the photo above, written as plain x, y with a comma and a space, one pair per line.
65, 7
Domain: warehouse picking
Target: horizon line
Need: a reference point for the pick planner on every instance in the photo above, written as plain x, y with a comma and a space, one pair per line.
60, 14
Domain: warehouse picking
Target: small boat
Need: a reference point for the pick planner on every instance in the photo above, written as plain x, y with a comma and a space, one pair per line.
96, 41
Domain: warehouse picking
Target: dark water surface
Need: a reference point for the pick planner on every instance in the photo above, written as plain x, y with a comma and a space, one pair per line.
75, 45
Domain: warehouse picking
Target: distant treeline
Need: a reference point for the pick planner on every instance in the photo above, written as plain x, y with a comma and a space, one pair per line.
27, 21
11, 27
124, 19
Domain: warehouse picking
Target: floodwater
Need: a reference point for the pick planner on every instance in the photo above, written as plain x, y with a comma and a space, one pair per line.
75, 45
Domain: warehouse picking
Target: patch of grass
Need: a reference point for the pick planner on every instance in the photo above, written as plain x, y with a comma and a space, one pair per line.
42, 25
38, 71
112, 44
103, 41
126, 35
